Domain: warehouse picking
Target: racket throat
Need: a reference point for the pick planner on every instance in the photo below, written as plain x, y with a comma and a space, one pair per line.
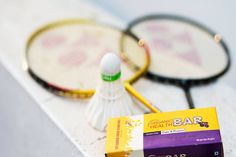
188, 96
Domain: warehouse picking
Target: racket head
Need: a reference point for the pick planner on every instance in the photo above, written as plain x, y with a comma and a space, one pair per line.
184, 46
63, 56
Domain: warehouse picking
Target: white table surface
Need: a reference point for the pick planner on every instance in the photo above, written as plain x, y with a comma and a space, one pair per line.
20, 18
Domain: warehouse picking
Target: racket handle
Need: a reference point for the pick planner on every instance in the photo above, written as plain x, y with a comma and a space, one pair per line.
138, 96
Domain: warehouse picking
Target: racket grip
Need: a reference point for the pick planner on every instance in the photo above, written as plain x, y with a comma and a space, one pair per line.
139, 97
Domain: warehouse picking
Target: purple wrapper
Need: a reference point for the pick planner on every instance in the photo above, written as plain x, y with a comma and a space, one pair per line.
186, 144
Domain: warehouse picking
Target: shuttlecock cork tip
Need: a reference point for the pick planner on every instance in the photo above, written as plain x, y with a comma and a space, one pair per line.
110, 67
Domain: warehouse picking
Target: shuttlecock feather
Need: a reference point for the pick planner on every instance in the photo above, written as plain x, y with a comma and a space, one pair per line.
111, 99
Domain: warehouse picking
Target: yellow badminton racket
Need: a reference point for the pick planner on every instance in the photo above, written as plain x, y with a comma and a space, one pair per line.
63, 57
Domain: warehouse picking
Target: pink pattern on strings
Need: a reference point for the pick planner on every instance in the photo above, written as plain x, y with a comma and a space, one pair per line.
98, 58
73, 59
166, 45
86, 39
184, 37
161, 44
154, 27
191, 56
53, 40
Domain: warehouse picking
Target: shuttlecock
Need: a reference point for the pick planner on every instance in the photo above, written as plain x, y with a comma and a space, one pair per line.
111, 99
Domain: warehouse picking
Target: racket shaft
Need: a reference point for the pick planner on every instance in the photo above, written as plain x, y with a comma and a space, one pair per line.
138, 96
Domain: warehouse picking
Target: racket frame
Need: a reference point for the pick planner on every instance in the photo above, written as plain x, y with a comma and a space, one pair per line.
185, 84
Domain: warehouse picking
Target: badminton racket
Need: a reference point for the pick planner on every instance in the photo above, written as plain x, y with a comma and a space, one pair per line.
183, 52
63, 57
